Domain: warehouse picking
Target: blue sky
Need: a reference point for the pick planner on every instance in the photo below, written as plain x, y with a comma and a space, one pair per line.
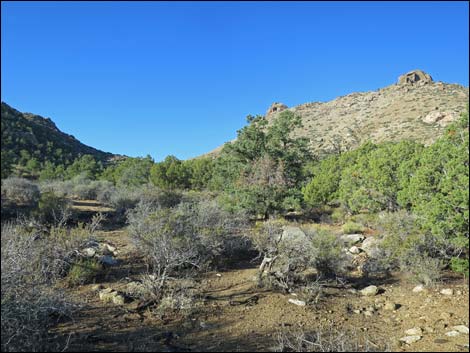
179, 78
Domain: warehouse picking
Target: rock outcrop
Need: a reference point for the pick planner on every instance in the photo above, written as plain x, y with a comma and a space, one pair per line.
276, 108
415, 77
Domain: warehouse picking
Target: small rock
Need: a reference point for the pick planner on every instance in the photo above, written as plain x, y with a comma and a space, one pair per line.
461, 329
357, 311
452, 333
418, 288
368, 313
415, 331
354, 250
89, 252
108, 260
447, 291
410, 339
370, 291
297, 302
218, 275
118, 299
428, 329
391, 306
97, 287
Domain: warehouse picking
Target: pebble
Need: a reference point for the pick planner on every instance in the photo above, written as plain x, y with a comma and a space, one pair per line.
410, 339
447, 291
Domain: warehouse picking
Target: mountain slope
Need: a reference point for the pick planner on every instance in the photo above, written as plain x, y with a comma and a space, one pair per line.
416, 108
26, 136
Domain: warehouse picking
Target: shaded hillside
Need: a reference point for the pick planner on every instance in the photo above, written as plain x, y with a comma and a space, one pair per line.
416, 108
28, 137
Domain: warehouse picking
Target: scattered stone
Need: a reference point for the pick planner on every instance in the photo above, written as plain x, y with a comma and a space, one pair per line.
370, 291
357, 311
218, 275
461, 329
452, 333
297, 302
447, 291
410, 339
415, 331
418, 288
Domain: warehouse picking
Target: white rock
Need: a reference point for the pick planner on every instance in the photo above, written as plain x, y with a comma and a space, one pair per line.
418, 288
415, 331
410, 339
89, 252
370, 291
352, 239
452, 333
354, 250
447, 291
461, 329
297, 302
371, 247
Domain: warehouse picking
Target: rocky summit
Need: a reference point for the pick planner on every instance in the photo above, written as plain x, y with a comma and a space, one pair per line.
415, 108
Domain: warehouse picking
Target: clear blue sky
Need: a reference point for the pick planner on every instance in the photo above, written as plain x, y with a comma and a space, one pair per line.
163, 78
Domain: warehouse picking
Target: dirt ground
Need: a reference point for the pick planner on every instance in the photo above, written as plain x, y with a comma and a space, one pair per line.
234, 314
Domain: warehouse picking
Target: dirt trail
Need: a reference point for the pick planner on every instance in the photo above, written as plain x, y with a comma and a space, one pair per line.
236, 315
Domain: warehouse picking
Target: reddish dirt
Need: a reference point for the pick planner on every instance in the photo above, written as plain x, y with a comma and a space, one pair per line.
223, 322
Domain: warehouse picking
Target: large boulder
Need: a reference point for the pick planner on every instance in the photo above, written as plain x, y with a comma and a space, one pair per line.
371, 247
352, 239
414, 77
441, 118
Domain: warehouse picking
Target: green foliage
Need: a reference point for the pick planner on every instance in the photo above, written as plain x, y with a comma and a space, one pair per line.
52, 209
262, 169
85, 165
200, 172
170, 174
28, 141
459, 265
438, 189
129, 172
352, 228
83, 271
327, 255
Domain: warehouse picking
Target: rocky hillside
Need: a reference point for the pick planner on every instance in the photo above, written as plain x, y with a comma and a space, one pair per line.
26, 136
416, 108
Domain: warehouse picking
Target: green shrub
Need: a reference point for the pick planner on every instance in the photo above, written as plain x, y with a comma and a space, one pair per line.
83, 271
326, 255
352, 228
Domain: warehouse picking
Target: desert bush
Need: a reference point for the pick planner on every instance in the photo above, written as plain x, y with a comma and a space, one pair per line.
53, 209
20, 192
326, 253
33, 259
284, 257
182, 240
291, 340
352, 228
83, 271
18, 197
